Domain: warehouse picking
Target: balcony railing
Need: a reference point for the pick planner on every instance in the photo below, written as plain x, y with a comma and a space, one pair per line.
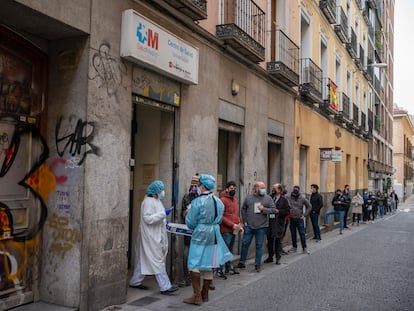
195, 9
285, 67
359, 4
360, 61
352, 45
310, 81
243, 28
365, 14
341, 26
370, 121
345, 106
355, 115
328, 7
363, 121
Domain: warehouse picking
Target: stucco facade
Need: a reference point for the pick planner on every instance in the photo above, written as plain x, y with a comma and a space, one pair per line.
403, 133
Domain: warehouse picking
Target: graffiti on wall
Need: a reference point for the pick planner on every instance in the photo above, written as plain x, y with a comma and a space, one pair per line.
64, 237
107, 70
74, 140
72, 135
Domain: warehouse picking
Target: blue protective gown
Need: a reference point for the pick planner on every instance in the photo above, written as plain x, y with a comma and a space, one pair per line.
207, 248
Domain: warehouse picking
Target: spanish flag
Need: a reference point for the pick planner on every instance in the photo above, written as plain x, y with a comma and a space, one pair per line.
333, 94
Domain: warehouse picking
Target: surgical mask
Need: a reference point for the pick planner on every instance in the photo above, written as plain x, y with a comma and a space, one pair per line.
194, 189
161, 195
262, 192
232, 193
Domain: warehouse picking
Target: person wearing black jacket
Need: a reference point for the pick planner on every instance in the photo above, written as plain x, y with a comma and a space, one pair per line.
277, 224
339, 204
347, 196
316, 200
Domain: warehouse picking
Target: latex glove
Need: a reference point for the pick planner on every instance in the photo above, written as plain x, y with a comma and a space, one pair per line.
169, 210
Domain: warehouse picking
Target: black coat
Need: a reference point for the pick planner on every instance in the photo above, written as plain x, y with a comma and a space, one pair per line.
316, 200
277, 224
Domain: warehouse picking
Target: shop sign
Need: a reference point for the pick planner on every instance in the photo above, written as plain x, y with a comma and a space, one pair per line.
336, 156
325, 154
150, 45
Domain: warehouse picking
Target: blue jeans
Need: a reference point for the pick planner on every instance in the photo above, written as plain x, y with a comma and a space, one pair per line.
298, 224
229, 239
341, 217
381, 210
248, 235
315, 225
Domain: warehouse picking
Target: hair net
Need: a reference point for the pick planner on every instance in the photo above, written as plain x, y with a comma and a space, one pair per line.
208, 181
155, 187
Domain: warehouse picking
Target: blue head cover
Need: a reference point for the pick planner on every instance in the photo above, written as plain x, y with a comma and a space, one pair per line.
208, 181
155, 187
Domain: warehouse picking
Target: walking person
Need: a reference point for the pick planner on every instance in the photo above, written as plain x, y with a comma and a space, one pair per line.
254, 211
339, 205
277, 224
230, 225
316, 200
207, 247
347, 203
152, 241
193, 192
357, 202
394, 200
297, 220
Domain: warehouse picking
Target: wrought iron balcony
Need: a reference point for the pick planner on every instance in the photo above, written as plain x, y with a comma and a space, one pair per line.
360, 61
328, 7
352, 45
359, 4
365, 14
341, 26
310, 81
355, 115
285, 67
195, 9
363, 121
345, 106
243, 28
370, 121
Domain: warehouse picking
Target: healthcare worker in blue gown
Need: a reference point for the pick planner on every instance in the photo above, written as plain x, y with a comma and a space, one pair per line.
207, 247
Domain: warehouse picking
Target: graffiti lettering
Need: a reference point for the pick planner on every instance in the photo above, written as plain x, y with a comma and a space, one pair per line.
76, 139
64, 236
107, 69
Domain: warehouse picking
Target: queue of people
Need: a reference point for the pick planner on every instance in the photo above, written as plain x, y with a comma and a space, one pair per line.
215, 223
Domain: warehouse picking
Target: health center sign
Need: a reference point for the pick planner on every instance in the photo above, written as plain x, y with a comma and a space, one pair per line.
146, 43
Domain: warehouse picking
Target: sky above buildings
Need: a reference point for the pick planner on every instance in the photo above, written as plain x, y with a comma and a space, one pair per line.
404, 54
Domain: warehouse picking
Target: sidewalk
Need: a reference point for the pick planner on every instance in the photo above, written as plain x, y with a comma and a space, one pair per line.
152, 299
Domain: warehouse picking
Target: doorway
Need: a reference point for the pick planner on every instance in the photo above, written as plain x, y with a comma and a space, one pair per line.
152, 158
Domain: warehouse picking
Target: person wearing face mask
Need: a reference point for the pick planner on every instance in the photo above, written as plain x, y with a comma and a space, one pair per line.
230, 224
316, 201
207, 248
297, 221
152, 241
255, 210
193, 192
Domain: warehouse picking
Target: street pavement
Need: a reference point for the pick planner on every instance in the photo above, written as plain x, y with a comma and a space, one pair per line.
369, 267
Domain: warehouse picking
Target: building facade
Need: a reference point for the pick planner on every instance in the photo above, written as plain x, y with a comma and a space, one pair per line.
98, 98
403, 153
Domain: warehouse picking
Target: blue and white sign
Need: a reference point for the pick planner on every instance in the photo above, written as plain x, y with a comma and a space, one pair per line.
146, 43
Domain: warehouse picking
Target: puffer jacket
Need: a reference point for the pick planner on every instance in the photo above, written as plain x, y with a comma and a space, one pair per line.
296, 206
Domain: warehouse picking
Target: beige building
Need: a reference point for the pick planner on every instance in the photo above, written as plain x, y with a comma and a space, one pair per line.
403, 136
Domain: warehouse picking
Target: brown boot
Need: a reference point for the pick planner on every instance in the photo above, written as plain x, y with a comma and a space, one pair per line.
196, 298
204, 292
